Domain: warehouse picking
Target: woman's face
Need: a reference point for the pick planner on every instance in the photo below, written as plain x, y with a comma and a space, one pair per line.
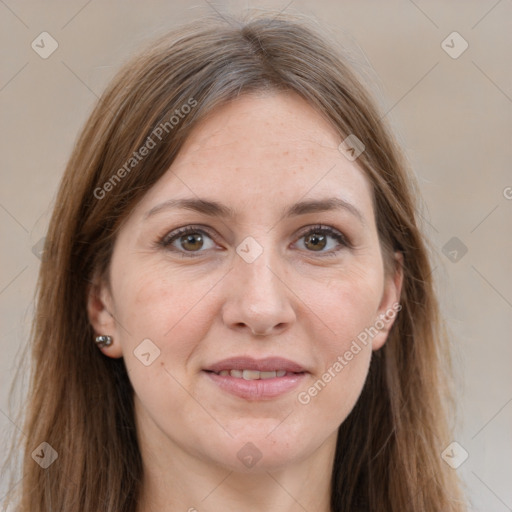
281, 260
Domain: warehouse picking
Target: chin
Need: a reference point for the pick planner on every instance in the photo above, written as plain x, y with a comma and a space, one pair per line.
255, 450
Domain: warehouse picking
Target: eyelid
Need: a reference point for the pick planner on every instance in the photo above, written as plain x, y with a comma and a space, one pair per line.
183, 230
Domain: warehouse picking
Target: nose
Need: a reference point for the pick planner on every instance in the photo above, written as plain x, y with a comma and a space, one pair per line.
257, 300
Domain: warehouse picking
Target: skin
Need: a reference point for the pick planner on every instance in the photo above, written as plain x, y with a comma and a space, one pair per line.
257, 155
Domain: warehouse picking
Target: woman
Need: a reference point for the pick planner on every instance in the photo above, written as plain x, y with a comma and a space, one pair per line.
236, 309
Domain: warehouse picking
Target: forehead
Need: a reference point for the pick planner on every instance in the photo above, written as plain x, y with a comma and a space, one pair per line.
273, 147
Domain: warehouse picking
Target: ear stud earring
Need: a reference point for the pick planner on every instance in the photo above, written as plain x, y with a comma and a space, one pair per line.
103, 341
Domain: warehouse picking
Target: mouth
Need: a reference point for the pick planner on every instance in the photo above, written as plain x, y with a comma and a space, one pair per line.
253, 379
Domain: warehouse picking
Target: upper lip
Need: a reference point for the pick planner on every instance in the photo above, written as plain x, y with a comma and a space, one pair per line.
267, 364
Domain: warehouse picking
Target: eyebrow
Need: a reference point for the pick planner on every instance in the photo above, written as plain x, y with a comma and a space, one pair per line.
215, 209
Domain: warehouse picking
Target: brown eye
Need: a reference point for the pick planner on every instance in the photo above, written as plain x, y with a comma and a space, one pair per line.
315, 242
188, 240
324, 240
191, 242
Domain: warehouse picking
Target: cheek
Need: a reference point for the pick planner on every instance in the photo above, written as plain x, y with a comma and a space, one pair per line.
347, 306
152, 301
162, 306
174, 317
333, 392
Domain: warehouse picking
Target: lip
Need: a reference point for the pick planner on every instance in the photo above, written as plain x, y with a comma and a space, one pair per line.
256, 389
263, 365
262, 389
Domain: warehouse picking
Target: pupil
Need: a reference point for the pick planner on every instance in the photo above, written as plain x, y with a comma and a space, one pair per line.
318, 241
193, 239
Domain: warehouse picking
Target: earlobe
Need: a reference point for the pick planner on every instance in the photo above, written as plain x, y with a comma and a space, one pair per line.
99, 304
390, 304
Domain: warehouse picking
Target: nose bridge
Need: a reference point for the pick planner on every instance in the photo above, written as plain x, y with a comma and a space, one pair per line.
256, 296
259, 278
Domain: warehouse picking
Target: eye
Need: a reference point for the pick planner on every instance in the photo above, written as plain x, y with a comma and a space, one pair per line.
189, 239
318, 238
192, 240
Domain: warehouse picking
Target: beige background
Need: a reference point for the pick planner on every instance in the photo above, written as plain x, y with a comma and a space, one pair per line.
453, 116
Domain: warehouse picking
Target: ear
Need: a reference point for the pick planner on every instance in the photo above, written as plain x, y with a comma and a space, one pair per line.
390, 303
100, 312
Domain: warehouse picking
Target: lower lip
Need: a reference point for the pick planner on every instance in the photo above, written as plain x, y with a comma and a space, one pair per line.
259, 389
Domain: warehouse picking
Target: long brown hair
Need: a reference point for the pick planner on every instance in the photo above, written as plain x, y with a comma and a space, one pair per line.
388, 455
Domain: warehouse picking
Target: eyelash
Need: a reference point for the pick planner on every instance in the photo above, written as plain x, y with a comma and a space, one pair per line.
167, 240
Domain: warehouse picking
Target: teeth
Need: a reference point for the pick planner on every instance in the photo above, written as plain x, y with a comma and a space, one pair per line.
252, 374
